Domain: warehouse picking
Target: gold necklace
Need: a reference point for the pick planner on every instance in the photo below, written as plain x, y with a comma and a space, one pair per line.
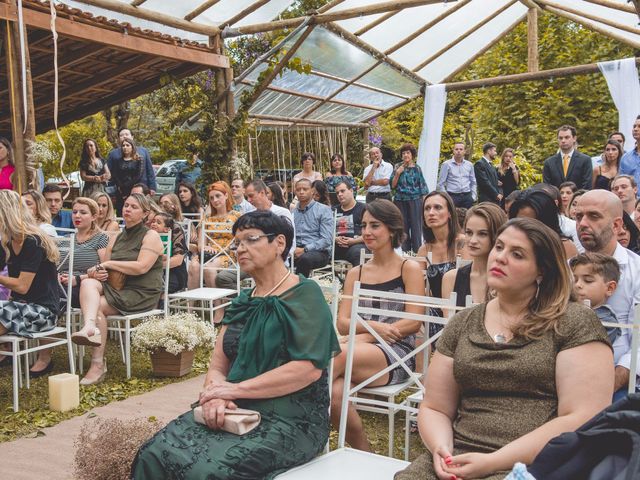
253, 294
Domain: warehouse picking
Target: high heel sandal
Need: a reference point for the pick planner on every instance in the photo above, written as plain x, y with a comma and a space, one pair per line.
94, 340
84, 382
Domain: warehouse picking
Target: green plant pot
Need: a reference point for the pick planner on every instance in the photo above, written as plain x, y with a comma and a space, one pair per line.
166, 364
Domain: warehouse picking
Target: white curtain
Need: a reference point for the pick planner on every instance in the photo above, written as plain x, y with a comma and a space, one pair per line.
429, 147
624, 86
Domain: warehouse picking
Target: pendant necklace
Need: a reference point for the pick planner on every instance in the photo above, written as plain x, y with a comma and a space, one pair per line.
274, 288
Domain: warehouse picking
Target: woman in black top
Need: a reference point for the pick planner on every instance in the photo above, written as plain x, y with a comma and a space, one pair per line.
605, 173
508, 173
480, 228
127, 172
31, 257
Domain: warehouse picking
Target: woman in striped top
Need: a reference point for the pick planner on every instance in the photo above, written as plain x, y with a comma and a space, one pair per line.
90, 246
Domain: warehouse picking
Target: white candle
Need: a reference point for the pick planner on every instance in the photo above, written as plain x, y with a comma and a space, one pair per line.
64, 392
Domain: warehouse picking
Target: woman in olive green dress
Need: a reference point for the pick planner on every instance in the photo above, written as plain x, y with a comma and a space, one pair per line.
136, 252
513, 373
271, 356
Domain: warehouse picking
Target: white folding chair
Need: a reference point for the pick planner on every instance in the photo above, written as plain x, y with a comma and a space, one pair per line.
208, 295
390, 392
461, 262
350, 464
122, 324
22, 347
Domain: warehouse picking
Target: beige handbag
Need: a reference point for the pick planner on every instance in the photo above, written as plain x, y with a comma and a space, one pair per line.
238, 421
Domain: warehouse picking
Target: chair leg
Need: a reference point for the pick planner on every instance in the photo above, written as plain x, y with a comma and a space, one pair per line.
392, 416
17, 378
127, 346
27, 379
122, 352
72, 360
407, 437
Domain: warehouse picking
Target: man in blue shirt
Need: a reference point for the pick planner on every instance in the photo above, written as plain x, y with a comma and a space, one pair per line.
59, 218
630, 163
457, 178
148, 174
313, 223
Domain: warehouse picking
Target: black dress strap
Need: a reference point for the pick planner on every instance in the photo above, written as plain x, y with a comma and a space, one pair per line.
462, 285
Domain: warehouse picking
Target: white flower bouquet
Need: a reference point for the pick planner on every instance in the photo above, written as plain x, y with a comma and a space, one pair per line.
176, 333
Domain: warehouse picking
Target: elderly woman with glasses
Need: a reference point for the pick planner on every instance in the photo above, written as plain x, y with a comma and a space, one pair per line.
271, 356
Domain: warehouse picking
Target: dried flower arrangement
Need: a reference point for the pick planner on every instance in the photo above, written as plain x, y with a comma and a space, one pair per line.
105, 448
176, 333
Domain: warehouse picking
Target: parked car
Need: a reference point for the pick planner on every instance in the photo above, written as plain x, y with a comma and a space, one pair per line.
172, 172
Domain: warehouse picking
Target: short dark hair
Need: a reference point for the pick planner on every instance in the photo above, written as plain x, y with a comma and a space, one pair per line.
300, 180
307, 155
386, 212
512, 196
268, 223
345, 183
145, 189
52, 188
551, 190
408, 147
624, 139
258, 185
168, 219
572, 129
124, 128
488, 146
542, 204
571, 185
604, 265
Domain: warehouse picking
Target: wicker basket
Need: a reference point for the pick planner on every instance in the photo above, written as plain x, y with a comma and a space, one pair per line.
167, 364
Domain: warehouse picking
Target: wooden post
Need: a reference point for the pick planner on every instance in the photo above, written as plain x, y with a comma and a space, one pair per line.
532, 40
16, 107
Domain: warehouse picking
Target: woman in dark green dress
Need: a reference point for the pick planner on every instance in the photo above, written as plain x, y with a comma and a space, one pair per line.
271, 356
511, 374
137, 252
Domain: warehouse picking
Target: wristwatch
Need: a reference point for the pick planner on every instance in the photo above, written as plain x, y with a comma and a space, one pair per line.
305, 249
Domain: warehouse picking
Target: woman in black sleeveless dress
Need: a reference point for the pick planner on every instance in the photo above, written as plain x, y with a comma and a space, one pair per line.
480, 228
382, 231
508, 173
605, 173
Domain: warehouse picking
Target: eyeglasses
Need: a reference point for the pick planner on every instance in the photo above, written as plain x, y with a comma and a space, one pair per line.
249, 241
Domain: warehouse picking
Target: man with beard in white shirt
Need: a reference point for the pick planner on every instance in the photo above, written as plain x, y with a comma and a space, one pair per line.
598, 219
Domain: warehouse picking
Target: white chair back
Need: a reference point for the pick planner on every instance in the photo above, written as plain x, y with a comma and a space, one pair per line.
357, 310
208, 236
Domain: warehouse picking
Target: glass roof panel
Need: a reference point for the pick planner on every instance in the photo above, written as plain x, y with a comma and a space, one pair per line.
364, 96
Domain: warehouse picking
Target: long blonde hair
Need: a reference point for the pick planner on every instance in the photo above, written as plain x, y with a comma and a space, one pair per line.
17, 223
92, 205
173, 198
43, 215
110, 215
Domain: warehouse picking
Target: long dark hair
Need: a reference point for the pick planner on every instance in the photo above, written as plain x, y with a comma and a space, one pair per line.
618, 147
542, 204
343, 167
452, 224
196, 203
277, 197
85, 158
634, 234
321, 189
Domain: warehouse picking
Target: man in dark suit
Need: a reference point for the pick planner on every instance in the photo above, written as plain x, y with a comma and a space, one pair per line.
568, 165
487, 176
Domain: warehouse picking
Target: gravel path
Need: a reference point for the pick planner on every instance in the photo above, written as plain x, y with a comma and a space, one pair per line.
51, 456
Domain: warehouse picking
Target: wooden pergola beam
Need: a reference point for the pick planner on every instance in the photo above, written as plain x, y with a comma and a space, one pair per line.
247, 11
485, 49
589, 24
137, 3
526, 77
623, 7
532, 40
589, 16
464, 35
295, 121
375, 23
347, 13
426, 27
122, 41
329, 6
200, 9
153, 16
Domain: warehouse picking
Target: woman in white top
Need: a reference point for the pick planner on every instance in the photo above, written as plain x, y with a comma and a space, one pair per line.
37, 205
308, 161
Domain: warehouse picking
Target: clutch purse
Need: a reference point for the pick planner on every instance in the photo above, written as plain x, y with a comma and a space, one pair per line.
116, 279
238, 421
